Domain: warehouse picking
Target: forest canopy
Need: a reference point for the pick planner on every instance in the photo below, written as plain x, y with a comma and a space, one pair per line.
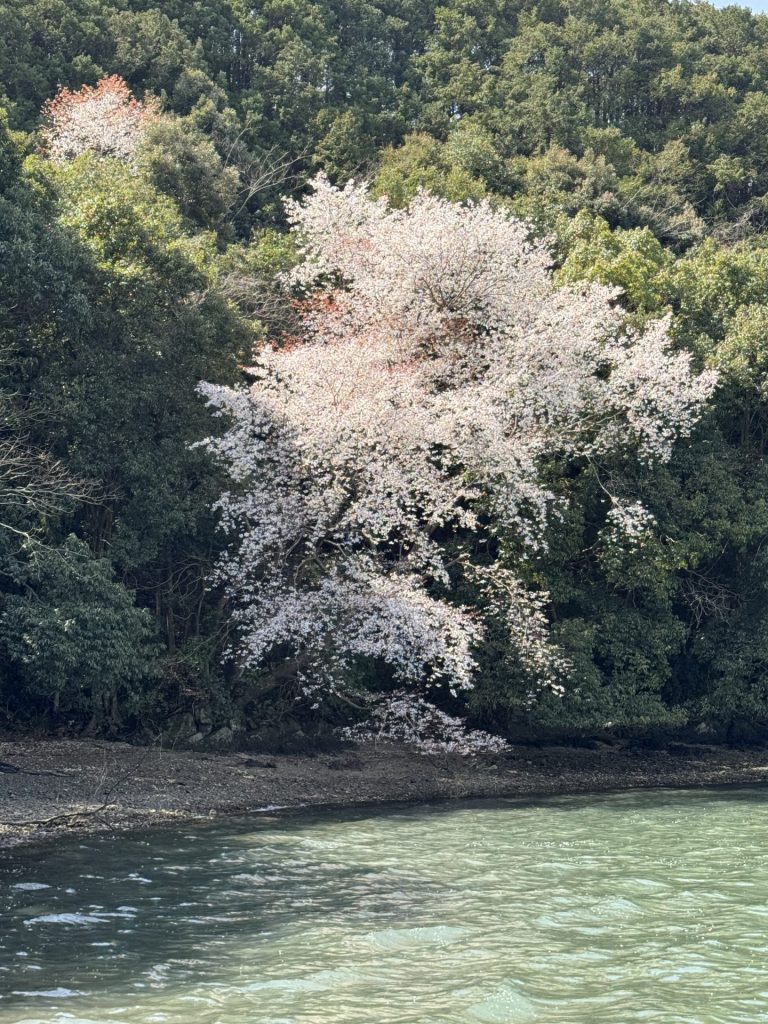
479, 294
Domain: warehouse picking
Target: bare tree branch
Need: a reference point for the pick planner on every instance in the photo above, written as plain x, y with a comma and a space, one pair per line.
33, 481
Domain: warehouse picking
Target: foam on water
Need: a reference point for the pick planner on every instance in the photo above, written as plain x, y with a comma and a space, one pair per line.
76, 919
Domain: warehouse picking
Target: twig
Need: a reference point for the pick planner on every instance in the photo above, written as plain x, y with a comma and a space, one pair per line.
72, 816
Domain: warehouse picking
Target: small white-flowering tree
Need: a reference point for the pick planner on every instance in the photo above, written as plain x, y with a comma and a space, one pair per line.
105, 119
436, 366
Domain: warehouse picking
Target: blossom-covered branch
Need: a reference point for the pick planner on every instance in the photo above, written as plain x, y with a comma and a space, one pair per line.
407, 718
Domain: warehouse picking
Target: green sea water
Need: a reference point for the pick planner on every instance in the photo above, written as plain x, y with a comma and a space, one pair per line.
643, 907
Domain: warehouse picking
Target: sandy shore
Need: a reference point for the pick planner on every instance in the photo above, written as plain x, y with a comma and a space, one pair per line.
52, 787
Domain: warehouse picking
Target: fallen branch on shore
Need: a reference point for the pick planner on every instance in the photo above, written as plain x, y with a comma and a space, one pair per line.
83, 813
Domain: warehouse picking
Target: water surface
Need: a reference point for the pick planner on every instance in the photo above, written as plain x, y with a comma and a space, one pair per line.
644, 907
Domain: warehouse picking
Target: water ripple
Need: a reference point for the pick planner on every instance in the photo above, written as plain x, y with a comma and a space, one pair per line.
631, 909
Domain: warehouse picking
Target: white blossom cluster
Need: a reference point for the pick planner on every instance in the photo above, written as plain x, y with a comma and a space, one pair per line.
628, 524
104, 119
523, 613
405, 717
436, 366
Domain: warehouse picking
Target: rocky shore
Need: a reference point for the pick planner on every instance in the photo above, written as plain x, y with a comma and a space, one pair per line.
49, 787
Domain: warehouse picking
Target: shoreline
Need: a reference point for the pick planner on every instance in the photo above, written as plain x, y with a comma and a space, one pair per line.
52, 788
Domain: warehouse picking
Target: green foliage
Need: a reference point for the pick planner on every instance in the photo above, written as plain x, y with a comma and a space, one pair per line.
154, 329
423, 163
114, 317
634, 260
183, 163
742, 356
647, 114
557, 182
74, 644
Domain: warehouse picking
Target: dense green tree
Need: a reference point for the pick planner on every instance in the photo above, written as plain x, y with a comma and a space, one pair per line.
121, 386
183, 163
113, 316
423, 163
76, 649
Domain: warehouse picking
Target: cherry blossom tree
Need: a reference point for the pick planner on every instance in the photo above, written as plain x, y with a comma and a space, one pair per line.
105, 119
436, 365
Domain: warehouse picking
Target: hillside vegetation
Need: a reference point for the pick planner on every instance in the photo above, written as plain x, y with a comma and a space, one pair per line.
145, 248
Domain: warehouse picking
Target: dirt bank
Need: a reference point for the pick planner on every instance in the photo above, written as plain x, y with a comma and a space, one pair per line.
51, 787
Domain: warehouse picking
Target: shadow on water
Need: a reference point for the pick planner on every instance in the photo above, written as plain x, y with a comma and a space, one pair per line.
107, 909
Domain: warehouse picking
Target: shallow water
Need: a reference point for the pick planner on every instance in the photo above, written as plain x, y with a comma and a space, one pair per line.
644, 907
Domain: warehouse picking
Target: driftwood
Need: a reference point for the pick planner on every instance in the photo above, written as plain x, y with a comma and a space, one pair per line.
13, 769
